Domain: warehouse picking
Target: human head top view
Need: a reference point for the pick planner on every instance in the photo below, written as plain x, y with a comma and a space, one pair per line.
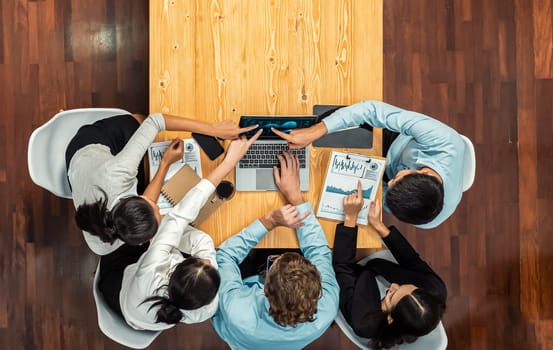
293, 288
411, 312
415, 196
133, 220
193, 284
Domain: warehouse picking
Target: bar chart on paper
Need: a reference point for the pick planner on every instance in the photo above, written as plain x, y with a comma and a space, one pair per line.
344, 171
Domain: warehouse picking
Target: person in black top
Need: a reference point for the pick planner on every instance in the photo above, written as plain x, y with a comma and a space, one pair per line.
415, 301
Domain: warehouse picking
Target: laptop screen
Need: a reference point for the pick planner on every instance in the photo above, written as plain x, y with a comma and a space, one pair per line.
282, 123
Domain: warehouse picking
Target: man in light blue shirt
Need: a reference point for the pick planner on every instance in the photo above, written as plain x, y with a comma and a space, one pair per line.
298, 300
424, 163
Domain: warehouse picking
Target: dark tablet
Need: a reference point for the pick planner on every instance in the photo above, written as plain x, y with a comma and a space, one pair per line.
359, 137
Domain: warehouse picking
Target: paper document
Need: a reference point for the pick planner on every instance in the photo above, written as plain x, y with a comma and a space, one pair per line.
191, 157
344, 170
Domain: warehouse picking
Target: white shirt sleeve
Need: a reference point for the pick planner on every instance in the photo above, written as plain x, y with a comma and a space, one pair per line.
198, 244
171, 229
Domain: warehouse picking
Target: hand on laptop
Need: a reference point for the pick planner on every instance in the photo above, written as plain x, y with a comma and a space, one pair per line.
239, 147
228, 130
285, 216
299, 138
287, 178
235, 152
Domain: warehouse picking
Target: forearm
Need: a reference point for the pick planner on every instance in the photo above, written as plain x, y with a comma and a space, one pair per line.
350, 220
172, 226
382, 230
237, 247
131, 155
153, 189
311, 233
317, 131
217, 175
404, 253
343, 262
175, 123
345, 245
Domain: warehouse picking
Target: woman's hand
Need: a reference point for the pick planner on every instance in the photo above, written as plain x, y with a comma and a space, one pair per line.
235, 152
352, 205
228, 130
174, 152
375, 219
239, 147
285, 216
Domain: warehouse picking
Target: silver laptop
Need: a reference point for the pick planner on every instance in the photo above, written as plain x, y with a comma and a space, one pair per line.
254, 172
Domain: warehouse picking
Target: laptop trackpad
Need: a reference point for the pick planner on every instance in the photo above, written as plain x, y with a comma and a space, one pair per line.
264, 179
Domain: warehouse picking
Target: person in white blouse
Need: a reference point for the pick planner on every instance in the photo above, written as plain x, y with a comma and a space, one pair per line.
165, 286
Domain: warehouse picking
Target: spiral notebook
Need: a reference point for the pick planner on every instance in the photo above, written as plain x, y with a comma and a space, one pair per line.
178, 186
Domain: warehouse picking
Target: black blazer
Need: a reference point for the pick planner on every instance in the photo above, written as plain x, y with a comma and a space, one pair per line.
359, 295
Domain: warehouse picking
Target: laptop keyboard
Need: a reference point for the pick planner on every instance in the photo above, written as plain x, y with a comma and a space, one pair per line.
264, 155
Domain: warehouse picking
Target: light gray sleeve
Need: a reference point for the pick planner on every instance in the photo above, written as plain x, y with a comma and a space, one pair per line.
129, 158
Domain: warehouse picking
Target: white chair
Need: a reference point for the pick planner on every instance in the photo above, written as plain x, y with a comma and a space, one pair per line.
47, 144
115, 327
435, 340
469, 168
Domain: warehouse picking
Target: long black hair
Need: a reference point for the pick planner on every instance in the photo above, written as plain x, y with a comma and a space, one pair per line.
132, 220
192, 285
415, 315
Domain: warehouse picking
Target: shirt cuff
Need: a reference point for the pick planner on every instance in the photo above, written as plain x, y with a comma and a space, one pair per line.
331, 125
257, 228
305, 206
346, 229
205, 186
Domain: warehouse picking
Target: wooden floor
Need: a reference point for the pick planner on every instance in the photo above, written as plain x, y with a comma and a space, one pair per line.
484, 67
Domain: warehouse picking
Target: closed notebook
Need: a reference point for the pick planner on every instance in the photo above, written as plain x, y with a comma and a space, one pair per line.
178, 186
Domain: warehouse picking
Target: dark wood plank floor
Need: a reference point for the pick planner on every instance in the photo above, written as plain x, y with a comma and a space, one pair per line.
484, 67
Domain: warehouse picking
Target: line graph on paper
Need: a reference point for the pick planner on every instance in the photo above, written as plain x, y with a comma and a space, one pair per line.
360, 167
366, 192
343, 173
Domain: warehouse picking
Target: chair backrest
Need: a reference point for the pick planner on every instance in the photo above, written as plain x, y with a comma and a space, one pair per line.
47, 145
469, 167
435, 340
114, 326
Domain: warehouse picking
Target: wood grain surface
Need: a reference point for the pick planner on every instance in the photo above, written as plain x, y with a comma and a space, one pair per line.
217, 60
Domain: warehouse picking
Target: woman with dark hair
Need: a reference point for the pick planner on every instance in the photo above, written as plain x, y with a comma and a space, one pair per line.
105, 172
415, 300
176, 279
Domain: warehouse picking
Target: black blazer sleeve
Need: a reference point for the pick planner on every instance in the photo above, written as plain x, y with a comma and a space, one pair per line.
359, 295
411, 269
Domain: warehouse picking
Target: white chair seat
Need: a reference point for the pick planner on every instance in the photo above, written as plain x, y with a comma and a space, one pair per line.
469, 168
47, 145
115, 327
435, 340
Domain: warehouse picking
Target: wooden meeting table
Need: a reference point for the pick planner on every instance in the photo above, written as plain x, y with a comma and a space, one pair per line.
246, 207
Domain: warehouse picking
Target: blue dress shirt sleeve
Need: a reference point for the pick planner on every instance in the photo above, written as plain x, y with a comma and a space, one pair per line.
314, 247
232, 252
